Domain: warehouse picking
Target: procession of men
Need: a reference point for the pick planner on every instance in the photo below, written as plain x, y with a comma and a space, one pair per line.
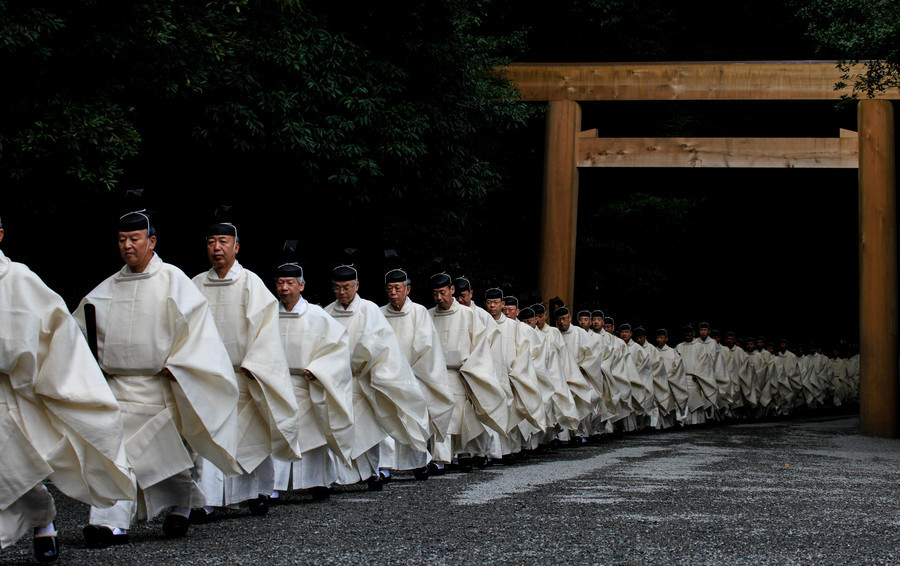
166, 395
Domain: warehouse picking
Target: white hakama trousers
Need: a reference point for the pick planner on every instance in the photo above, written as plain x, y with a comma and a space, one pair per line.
395, 456
317, 468
33, 509
155, 450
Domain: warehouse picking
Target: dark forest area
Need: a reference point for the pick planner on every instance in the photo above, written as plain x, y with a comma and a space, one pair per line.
385, 127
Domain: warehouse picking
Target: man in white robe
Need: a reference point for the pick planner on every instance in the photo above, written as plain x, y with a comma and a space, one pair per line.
675, 374
58, 417
792, 373
744, 378
420, 345
642, 384
703, 390
764, 364
317, 348
619, 371
588, 354
387, 398
662, 414
479, 396
526, 411
246, 315
581, 390
713, 350
166, 365
559, 403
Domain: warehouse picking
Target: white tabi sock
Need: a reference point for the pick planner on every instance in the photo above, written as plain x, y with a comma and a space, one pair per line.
48, 531
118, 531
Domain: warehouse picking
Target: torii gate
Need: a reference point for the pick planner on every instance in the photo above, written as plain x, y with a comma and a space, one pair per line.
871, 150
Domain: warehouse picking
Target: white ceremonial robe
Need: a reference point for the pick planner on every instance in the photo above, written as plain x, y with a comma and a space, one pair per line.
419, 343
58, 417
713, 350
663, 412
148, 322
528, 402
559, 404
743, 369
642, 389
841, 380
315, 341
246, 315
387, 398
853, 375
619, 374
479, 396
589, 355
582, 392
703, 389
678, 380
764, 363
792, 373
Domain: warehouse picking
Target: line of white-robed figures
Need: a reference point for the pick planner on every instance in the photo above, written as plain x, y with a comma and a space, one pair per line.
272, 398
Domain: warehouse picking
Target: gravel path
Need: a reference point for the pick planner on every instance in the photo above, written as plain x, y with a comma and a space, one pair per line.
809, 491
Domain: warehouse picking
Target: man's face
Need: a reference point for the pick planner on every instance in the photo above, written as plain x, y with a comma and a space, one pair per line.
584, 322
609, 327
718, 339
689, 336
288, 290
782, 347
221, 251
625, 335
770, 348
136, 248
801, 351
751, 345
493, 306
511, 311
397, 293
532, 322
661, 340
443, 297
729, 341
1, 234
640, 339
345, 291
596, 324
760, 345
563, 322
704, 332
465, 298
541, 320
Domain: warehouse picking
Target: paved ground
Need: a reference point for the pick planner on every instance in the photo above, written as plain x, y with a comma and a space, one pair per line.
807, 491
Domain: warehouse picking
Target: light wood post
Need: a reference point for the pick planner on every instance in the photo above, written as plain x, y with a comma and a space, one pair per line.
878, 270
559, 213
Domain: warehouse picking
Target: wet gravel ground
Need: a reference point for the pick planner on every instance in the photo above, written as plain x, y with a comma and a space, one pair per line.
810, 491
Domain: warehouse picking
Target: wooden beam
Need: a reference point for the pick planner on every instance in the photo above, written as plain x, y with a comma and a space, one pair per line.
718, 152
783, 80
559, 212
878, 317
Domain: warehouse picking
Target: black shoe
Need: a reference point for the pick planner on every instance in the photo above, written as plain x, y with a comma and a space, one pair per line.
320, 493
435, 471
375, 483
421, 474
480, 462
96, 536
259, 507
385, 479
176, 526
465, 465
199, 516
46, 549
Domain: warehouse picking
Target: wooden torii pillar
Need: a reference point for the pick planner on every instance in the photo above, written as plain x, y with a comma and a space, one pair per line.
873, 152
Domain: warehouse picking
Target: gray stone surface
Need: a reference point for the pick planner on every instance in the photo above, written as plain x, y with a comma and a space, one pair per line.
809, 491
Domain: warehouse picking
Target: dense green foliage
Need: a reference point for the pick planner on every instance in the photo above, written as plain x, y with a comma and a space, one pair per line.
859, 31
